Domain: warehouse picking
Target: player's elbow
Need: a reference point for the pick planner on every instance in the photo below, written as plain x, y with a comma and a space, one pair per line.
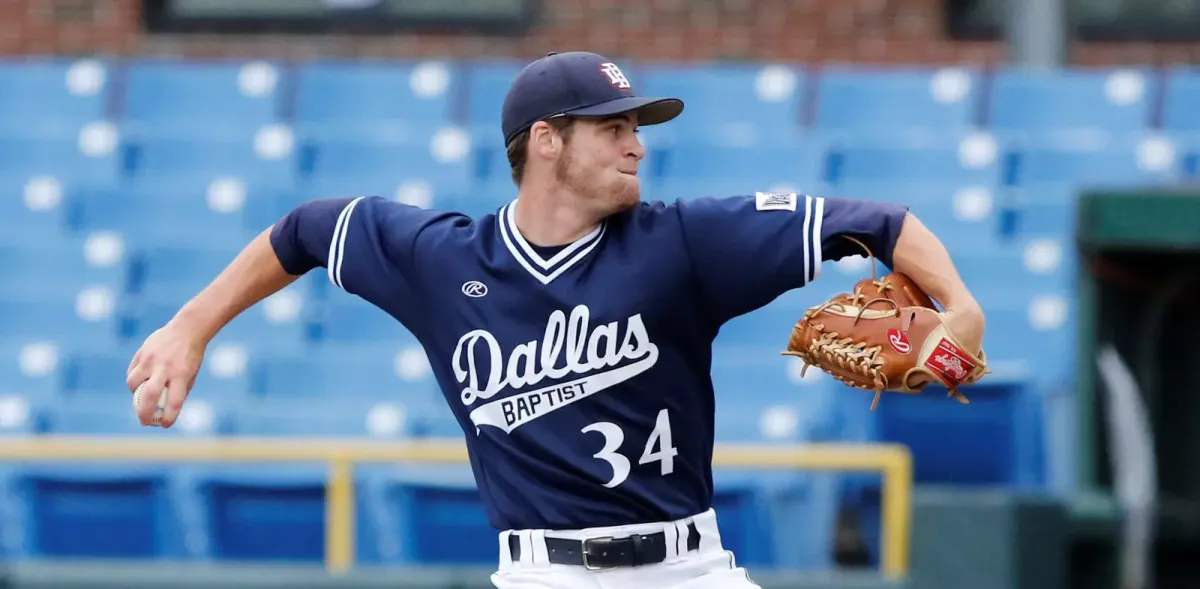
892, 221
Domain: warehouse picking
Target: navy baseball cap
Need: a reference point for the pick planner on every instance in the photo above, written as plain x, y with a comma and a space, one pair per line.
577, 84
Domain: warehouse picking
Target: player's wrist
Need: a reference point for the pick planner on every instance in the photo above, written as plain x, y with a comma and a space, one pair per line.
199, 322
963, 303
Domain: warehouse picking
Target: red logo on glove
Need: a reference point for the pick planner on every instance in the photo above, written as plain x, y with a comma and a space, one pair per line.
899, 340
951, 363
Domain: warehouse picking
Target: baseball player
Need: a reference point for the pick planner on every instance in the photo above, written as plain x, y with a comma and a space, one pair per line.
571, 331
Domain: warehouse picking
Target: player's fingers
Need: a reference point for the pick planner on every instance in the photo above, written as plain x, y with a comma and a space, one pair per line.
177, 390
138, 373
134, 361
151, 391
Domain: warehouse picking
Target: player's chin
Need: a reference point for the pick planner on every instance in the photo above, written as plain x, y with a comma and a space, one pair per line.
626, 195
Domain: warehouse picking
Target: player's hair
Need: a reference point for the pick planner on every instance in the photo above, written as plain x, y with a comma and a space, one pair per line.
518, 150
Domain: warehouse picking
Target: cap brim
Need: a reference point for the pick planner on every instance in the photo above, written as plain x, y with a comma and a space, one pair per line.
651, 111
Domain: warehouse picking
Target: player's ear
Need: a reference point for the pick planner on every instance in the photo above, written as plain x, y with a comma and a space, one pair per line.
544, 139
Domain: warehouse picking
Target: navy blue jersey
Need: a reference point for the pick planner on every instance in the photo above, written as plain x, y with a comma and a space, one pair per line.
581, 381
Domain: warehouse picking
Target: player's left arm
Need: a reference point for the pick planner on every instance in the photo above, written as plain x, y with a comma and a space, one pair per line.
919, 254
746, 251
899, 240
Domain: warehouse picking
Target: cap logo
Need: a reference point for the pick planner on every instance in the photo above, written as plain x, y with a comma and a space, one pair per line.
615, 77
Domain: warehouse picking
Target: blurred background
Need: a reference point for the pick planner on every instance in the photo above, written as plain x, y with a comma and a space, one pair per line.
1051, 143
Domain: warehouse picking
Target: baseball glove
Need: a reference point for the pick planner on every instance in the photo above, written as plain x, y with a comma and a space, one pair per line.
886, 335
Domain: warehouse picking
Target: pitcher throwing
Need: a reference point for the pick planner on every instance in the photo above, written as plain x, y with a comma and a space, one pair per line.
571, 330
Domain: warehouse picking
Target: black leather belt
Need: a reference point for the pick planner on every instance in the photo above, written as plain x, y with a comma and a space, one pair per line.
607, 553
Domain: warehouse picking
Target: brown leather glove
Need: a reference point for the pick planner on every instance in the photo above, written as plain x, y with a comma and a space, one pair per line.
886, 335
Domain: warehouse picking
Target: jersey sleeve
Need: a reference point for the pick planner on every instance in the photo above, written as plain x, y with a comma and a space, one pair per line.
365, 244
748, 250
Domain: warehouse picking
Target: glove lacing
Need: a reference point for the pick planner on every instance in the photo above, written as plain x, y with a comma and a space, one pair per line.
851, 356
882, 285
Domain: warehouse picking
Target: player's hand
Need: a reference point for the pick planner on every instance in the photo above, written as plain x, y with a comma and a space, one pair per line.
967, 323
170, 358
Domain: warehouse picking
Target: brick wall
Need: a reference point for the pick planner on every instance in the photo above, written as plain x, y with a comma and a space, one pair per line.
792, 30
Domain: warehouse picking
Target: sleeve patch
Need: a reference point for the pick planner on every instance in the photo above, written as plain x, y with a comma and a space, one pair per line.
775, 201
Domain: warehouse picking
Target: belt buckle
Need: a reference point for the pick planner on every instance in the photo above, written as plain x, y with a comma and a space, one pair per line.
588, 565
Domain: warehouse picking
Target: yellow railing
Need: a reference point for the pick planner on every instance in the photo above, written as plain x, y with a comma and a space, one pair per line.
893, 461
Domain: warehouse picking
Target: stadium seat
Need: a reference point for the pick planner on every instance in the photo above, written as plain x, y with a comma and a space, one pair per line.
374, 99
262, 159
97, 376
85, 317
485, 81
758, 373
274, 514
224, 212
174, 274
346, 318
754, 503
992, 430
1014, 269
969, 159
280, 323
30, 379
291, 496
1182, 90
1127, 165
168, 98
90, 158
134, 509
1045, 210
398, 372
57, 267
33, 209
415, 171
896, 101
52, 97
128, 514
1037, 331
751, 168
727, 105
1081, 106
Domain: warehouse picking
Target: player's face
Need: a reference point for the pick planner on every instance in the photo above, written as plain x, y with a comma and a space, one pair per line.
600, 162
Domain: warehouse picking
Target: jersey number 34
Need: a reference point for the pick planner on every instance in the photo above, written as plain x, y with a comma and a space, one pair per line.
658, 448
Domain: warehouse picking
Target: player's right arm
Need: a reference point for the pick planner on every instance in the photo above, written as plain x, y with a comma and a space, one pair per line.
364, 244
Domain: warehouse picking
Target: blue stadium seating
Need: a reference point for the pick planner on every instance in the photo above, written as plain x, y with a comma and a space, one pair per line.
1082, 105
487, 81
366, 99
125, 188
944, 160
175, 273
741, 104
208, 215
440, 159
90, 158
59, 268
32, 208
263, 158
50, 97
1179, 99
165, 98
699, 166
896, 101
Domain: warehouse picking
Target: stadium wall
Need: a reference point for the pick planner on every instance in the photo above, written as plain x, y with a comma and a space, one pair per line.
803, 31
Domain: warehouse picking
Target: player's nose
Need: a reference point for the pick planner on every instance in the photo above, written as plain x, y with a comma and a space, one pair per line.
636, 150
